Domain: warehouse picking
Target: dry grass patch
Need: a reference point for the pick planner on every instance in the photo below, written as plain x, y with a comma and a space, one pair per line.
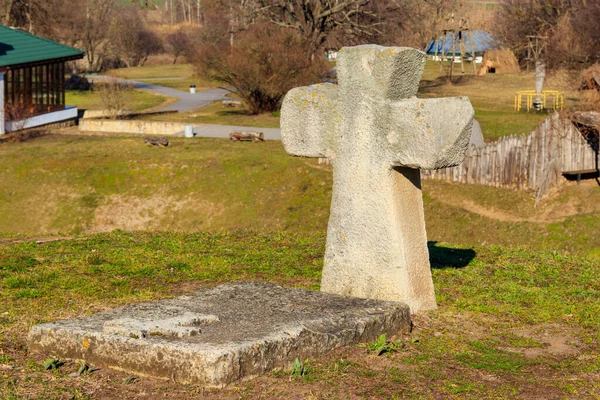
492, 96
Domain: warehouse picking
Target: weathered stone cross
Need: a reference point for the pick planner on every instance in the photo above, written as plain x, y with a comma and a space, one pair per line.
377, 135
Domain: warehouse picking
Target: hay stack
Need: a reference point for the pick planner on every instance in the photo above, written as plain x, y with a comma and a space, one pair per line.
499, 62
590, 78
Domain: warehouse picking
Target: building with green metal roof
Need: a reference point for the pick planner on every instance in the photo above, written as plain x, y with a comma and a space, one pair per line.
32, 80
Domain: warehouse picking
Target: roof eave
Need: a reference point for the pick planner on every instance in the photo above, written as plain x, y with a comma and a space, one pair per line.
42, 62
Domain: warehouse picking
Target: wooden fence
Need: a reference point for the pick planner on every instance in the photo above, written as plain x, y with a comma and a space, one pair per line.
534, 162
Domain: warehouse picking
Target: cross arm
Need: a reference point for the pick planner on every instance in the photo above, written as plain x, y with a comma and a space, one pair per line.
429, 133
308, 120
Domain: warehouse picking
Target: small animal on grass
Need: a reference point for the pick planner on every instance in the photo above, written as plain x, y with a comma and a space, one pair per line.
242, 136
160, 142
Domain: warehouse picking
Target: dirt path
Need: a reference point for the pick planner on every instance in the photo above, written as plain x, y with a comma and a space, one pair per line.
554, 209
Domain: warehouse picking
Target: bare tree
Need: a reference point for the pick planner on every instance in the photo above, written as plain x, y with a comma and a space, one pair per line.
18, 13
572, 28
189, 11
177, 44
315, 20
80, 23
94, 31
418, 22
263, 65
130, 41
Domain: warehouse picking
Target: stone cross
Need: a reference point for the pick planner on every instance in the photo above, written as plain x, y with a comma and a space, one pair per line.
377, 135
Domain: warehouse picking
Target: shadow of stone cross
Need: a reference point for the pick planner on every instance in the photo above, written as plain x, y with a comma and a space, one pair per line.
377, 135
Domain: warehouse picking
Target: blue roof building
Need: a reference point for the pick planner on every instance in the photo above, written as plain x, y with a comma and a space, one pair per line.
482, 42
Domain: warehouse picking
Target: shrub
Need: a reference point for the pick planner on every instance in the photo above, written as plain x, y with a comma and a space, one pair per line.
177, 44
262, 65
114, 95
18, 113
77, 82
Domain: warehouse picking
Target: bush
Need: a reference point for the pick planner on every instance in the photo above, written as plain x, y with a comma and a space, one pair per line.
78, 82
178, 44
114, 96
264, 63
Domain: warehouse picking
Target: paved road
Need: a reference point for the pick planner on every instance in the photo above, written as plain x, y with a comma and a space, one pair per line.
186, 102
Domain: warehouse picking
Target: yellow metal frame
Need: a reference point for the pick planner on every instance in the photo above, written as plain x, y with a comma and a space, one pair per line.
552, 99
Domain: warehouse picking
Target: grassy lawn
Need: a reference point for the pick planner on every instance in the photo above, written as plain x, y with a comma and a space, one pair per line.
176, 76
511, 323
70, 185
216, 113
83, 184
516, 283
90, 100
492, 96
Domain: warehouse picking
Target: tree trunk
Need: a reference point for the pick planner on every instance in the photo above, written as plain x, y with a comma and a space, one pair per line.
198, 11
8, 10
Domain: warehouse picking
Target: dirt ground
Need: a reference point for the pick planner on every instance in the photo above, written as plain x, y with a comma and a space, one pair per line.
349, 373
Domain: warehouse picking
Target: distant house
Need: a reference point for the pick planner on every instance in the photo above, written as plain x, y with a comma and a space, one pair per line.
482, 42
590, 78
32, 80
331, 54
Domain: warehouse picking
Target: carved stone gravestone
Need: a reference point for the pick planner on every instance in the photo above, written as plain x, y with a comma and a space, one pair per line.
377, 136
220, 335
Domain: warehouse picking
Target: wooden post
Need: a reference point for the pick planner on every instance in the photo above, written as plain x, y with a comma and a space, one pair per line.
40, 78
462, 52
56, 86
18, 94
436, 51
443, 40
472, 50
48, 102
27, 94
62, 85
453, 57
2, 100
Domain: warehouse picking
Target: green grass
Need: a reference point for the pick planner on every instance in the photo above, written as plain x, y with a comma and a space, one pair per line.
70, 185
77, 184
511, 285
519, 222
497, 300
216, 113
162, 74
138, 100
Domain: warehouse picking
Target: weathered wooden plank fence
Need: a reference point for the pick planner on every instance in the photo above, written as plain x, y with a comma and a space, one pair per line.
534, 162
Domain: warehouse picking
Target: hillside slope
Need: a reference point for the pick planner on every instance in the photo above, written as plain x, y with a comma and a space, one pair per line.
69, 185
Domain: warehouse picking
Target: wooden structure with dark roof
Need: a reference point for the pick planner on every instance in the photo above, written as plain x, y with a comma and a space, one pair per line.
32, 84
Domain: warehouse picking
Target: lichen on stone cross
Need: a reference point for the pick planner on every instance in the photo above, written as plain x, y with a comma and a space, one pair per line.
377, 135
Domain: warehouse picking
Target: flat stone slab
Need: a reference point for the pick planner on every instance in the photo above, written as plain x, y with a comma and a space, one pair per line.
220, 335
